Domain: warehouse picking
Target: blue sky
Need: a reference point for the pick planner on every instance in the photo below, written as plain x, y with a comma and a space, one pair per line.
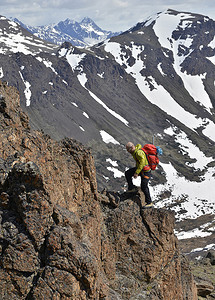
115, 15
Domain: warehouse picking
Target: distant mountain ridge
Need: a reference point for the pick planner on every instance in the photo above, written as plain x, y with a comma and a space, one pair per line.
81, 34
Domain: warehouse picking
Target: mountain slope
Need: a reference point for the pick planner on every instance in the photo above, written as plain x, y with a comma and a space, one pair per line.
61, 239
15, 39
154, 81
83, 34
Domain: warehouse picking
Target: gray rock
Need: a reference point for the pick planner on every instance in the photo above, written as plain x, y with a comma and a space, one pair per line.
204, 289
211, 256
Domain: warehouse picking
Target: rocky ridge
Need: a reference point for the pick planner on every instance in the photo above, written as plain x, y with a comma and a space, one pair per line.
61, 239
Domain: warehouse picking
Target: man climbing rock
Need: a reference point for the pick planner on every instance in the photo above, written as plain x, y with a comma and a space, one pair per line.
142, 169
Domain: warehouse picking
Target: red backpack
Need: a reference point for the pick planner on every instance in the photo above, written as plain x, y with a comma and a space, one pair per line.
152, 152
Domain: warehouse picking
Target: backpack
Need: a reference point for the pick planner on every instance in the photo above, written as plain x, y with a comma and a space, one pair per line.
152, 153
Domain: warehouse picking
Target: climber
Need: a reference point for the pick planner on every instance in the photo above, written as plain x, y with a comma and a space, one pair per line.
142, 169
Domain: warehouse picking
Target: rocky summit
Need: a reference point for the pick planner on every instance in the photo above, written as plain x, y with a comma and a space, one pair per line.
62, 239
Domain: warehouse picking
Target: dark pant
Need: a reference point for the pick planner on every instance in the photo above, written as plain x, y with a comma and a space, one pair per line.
145, 176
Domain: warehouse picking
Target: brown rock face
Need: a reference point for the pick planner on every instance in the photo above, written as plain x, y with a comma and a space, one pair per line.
145, 254
61, 239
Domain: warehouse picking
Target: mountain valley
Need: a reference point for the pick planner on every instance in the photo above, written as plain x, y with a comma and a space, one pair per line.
154, 82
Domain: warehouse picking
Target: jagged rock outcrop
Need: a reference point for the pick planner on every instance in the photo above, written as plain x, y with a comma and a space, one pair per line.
145, 253
61, 239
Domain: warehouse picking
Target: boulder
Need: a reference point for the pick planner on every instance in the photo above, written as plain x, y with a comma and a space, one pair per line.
204, 289
211, 256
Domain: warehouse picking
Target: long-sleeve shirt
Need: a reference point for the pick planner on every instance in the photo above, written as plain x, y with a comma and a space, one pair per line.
140, 158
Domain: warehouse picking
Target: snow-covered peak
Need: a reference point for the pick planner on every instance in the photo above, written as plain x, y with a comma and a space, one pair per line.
68, 22
83, 34
87, 20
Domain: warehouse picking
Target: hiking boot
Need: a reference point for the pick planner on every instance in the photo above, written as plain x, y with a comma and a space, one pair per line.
132, 190
148, 205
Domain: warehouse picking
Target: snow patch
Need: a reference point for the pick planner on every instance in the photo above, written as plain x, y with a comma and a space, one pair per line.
107, 138
47, 63
27, 90
83, 79
206, 248
189, 196
160, 97
188, 148
81, 128
117, 173
112, 162
1, 73
197, 232
73, 59
163, 30
86, 115
101, 75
